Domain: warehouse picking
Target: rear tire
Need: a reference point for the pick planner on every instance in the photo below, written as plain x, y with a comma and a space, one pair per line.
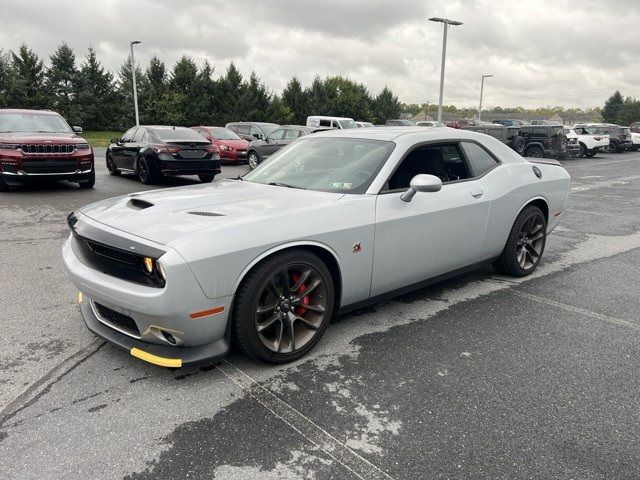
145, 173
206, 177
283, 307
525, 245
518, 144
583, 150
535, 152
90, 182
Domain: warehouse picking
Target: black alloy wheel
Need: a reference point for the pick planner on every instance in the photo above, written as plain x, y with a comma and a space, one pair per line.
283, 307
525, 245
518, 144
145, 175
583, 150
111, 166
535, 152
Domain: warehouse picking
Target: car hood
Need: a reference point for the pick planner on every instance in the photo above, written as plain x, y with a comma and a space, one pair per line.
237, 144
33, 137
172, 215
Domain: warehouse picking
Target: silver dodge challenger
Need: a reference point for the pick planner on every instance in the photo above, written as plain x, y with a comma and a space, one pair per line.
333, 222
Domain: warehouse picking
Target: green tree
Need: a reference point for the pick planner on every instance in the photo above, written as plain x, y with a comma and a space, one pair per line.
5, 77
348, 98
230, 89
254, 102
155, 84
97, 98
295, 99
61, 79
184, 76
386, 106
317, 98
26, 88
613, 108
204, 94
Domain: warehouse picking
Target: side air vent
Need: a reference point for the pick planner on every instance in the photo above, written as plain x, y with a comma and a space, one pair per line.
206, 214
138, 204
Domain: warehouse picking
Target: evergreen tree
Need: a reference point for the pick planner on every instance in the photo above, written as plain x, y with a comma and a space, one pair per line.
26, 85
204, 93
386, 106
182, 84
613, 108
295, 99
279, 112
254, 101
348, 98
318, 98
230, 89
97, 100
61, 79
155, 82
5, 77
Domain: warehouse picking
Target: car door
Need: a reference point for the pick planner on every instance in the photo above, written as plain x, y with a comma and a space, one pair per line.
435, 233
117, 150
132, 148
272, 143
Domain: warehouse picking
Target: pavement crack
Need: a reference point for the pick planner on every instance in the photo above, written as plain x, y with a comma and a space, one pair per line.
42, 386
341, 453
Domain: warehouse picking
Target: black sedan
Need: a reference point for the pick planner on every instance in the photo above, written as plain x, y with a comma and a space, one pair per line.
153, 151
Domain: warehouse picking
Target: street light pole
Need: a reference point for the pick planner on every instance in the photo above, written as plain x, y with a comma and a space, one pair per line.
426, 110
445, 22
482, 88
133, 75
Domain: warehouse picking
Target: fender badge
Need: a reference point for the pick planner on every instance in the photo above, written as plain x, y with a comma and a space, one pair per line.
357, 248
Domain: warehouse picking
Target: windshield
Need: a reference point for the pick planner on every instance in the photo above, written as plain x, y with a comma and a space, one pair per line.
224, 134
33, 122
178, 134
344, 165
625, 130
267, 128
347, 124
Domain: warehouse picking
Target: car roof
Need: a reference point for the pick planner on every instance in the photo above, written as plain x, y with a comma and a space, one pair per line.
25, 110
253, 123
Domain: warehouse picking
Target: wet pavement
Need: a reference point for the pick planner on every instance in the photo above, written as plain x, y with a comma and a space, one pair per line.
482, 376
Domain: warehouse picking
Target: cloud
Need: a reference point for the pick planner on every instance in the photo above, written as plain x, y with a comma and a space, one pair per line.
541, 52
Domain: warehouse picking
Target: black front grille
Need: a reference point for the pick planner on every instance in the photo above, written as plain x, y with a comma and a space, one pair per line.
115, 262
117, 319
50, 167
47, 149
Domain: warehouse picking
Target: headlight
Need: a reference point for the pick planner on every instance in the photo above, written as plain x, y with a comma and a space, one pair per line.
82, 146
161, 271
9, 146
149, 264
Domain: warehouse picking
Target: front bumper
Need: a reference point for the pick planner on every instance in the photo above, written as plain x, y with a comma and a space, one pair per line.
196, 325
233, 156
20, 176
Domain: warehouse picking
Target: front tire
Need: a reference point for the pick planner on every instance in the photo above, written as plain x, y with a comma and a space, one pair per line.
3, 186
111, 166
283, 307
525, 245
253, 159
145, 174
89, 182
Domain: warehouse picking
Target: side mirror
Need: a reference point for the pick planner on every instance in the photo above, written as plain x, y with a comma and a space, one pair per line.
77, 129
115, 140
422, 183
257, 136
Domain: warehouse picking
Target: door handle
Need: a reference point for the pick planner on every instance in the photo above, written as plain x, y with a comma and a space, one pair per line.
477, 193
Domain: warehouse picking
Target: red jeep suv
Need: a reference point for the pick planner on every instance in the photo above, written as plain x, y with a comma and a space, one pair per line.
40, 145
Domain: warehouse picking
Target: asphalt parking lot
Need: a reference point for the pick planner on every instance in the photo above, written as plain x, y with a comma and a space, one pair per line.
482, 376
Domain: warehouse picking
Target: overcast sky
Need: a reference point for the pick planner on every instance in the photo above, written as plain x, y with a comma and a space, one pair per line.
571, 53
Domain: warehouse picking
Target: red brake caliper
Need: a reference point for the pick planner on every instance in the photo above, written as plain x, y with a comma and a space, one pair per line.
305, 300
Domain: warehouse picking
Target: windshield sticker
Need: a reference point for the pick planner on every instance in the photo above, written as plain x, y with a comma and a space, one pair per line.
342, 186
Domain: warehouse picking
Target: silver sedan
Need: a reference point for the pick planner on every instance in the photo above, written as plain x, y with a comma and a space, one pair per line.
332, 222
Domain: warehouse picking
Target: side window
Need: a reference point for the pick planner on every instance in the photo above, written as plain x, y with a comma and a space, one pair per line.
479, 159
128, 135
140, 135
233, 128
335, 124
291, 134
255, 132
244, 129
277, 134
325, 123
443, 161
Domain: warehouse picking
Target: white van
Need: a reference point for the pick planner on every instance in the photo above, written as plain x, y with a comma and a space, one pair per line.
315, 121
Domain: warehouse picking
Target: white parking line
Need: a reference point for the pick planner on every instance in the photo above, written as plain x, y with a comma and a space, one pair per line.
581, 311
592, 164
337, 450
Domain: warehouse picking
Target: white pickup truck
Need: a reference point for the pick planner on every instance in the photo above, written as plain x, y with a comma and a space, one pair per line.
590, 142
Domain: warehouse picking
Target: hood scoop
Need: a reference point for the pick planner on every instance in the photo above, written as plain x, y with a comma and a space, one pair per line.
138, 204
206, 214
